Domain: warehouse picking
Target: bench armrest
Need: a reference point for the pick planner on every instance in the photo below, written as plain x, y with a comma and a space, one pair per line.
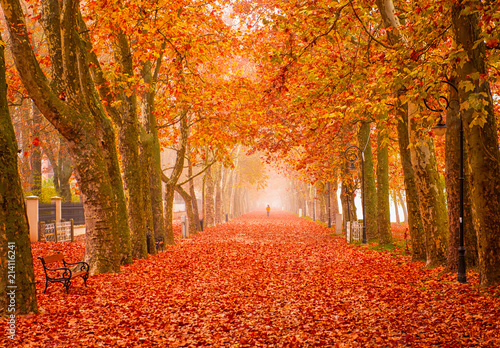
84, 265
66, 274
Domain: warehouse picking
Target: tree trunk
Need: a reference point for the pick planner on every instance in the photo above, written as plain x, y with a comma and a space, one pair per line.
146, 158
192, 193
154, 172
218, 195
383, 206
209, 199
189, 209
334, 199
371, 215
396, 210
79, 117
16, 261
65, 169
432, 202
415, 222
171, 183
36, 153
481, 141
169, 214
415, 225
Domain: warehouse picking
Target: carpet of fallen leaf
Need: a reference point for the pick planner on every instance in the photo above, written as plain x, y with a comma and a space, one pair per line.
281, 281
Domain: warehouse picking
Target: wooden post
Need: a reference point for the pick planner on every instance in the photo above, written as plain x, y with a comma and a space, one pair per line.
55, 230
32, 212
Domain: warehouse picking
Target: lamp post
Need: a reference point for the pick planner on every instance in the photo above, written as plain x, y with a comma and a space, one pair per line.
351, 154
440, 130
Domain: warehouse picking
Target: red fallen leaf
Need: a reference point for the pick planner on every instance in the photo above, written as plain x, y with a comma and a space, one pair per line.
281, 281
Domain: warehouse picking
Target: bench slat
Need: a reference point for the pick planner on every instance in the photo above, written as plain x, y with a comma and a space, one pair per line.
53, 258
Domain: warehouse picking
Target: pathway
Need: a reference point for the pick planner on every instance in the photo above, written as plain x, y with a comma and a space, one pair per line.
280, 281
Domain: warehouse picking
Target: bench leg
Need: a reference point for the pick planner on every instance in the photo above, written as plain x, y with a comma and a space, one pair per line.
85, 277
46, 286
66, 284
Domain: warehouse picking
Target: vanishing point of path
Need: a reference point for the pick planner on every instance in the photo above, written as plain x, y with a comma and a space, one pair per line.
281, 281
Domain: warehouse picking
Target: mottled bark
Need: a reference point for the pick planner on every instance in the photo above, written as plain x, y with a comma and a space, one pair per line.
364, 143
209, 219
36, 153
481, 136
171, 182
431, 198
189, 209
146, 158
383, 206
79, 117
218, 195
415, 223
192, 193
154, 162
334, 199
17, 278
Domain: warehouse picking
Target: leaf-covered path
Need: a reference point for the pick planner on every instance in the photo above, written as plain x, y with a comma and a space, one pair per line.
280, 281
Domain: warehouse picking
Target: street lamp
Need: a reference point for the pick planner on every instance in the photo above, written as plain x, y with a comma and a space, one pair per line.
440, 130
351, 154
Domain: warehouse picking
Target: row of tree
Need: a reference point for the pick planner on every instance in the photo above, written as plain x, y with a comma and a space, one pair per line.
119, 83
347, 73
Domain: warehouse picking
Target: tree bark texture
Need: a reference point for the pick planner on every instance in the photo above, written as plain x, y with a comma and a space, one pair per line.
218, 195
79, 117
481, 136
415, 222
36, 152
16, 260
383, 206
154, 161
209, 199
364, 143
189, 209
192, 193
431, 198
171, 182
415, 225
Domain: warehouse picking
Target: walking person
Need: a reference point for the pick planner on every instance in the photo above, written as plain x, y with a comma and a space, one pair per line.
268, 209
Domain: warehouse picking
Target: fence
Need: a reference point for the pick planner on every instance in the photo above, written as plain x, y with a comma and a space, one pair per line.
354, 231
56, 231
47, 212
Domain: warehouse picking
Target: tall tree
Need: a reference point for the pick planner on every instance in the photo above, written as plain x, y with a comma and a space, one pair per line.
431, 198
80, 118
479, 123
384, 213
17, 279
365, 144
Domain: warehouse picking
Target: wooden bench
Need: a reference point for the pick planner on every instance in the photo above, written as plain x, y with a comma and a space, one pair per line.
63, 274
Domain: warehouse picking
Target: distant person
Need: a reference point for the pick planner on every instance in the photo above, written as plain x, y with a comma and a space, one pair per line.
268, 209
